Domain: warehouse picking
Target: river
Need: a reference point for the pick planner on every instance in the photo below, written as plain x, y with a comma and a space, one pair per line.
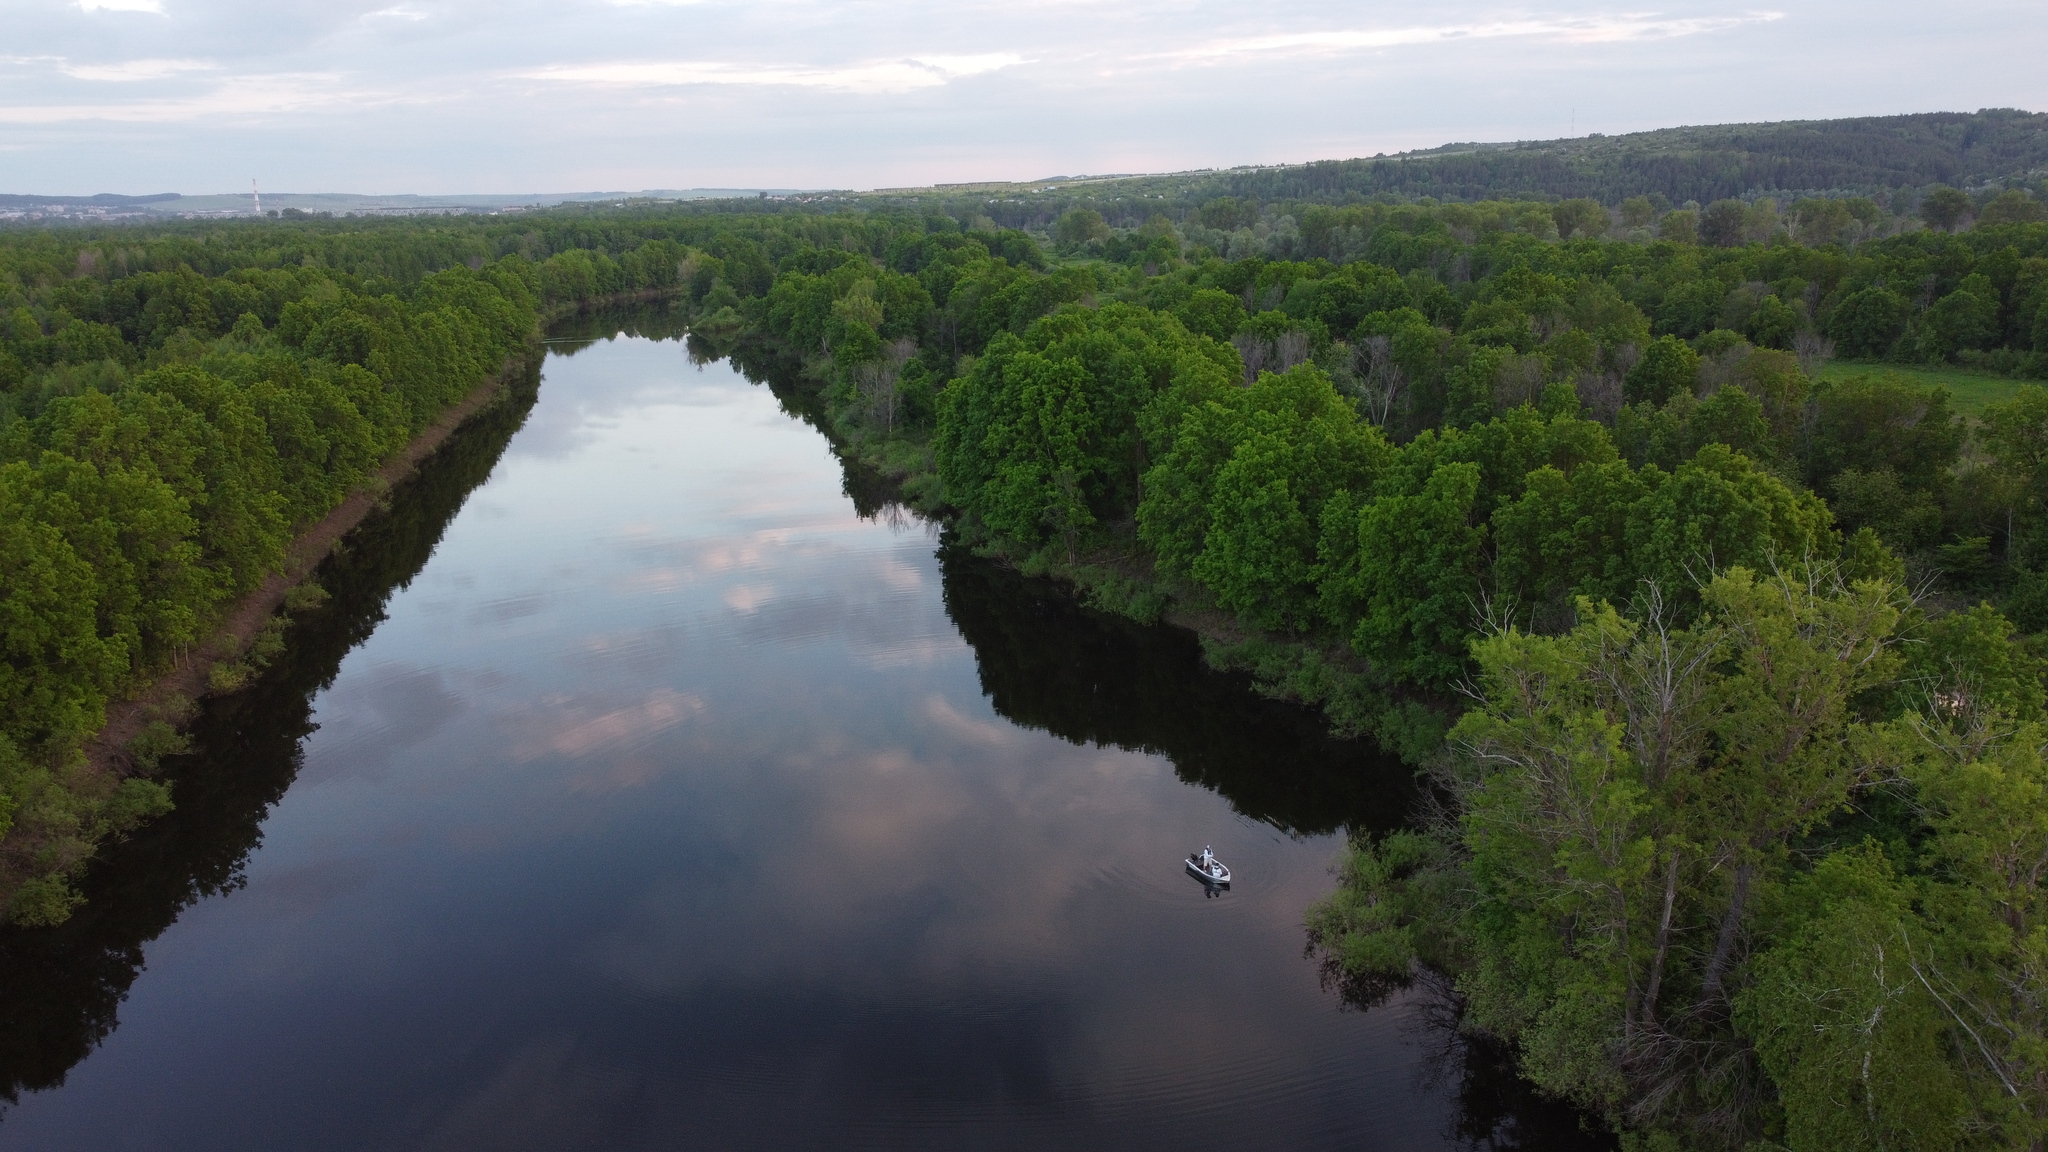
646, 785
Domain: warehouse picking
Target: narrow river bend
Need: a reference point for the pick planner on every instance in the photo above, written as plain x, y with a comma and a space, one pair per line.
635, 791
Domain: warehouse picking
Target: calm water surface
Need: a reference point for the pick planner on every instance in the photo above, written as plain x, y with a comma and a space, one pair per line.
646, 794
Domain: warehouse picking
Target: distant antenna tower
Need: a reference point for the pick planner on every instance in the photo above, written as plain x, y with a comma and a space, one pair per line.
256, 195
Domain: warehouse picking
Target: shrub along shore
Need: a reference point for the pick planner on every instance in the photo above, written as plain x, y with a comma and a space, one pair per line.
1727, 673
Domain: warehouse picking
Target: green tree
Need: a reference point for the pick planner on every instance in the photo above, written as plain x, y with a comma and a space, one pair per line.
1721, 510
2015, 432
1881, 421
1624, 792
1964, 319
1679, 227
1580, 218
1668, 367
1774, 323
57, 671
1401, 571
1731, 417
1908, 520
1858, 1048
1213, 313
1724, 223
1868, 322
1080, 226
1237, 502
2012, 206
1566, 538
1944, 208
1041, 441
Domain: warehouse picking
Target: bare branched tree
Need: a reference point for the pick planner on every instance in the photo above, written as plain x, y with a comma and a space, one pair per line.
1624, 358
1813, 350
1520, 381
878, 380
1601, 393
1383, 381
1291, 349
1550, 324
1255, 353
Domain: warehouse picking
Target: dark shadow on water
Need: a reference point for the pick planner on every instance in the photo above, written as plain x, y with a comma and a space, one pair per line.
1497, 1109
1093, 678
61, 988
666, 320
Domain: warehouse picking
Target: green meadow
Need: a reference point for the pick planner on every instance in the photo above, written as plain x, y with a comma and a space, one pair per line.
1970, 391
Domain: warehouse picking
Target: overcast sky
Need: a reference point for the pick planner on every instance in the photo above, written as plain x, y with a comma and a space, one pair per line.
451, 96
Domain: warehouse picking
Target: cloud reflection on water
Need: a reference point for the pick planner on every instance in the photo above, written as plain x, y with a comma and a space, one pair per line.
726, 844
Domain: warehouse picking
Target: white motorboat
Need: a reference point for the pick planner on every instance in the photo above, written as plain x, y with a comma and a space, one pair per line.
1208, 869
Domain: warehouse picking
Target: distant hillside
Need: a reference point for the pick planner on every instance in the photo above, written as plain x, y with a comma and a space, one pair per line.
1863, 155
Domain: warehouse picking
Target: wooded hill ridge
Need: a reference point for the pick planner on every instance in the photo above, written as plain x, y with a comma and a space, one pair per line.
1860, 156
1893, 159
1874, 156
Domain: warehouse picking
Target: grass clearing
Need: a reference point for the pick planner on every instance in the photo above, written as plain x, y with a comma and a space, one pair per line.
1970, 392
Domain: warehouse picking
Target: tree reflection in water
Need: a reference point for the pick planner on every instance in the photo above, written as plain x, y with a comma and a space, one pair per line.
61, 988
1092, 678
1089, 677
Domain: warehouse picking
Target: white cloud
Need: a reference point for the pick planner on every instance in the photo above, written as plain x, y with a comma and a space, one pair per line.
970, 65
1598, 29
155, 6
934, 70
567, 734
241, 96
395, 12
875, 77
129, 70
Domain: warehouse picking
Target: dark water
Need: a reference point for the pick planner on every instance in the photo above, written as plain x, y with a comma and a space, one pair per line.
635, 790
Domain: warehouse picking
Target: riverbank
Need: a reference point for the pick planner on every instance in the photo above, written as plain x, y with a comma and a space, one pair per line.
1120, 578
141, 727
110, 770
171, 697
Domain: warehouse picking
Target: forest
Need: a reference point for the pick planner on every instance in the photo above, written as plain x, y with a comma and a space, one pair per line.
1846, 157
1891, 160
1724, 672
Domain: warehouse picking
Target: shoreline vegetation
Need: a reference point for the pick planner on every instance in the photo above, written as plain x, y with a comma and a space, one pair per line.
166, 499
1724, 670
67, 985
171, 697
245, 637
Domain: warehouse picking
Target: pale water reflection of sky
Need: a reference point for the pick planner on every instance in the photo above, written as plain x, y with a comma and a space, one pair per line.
666, 810
468, 96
